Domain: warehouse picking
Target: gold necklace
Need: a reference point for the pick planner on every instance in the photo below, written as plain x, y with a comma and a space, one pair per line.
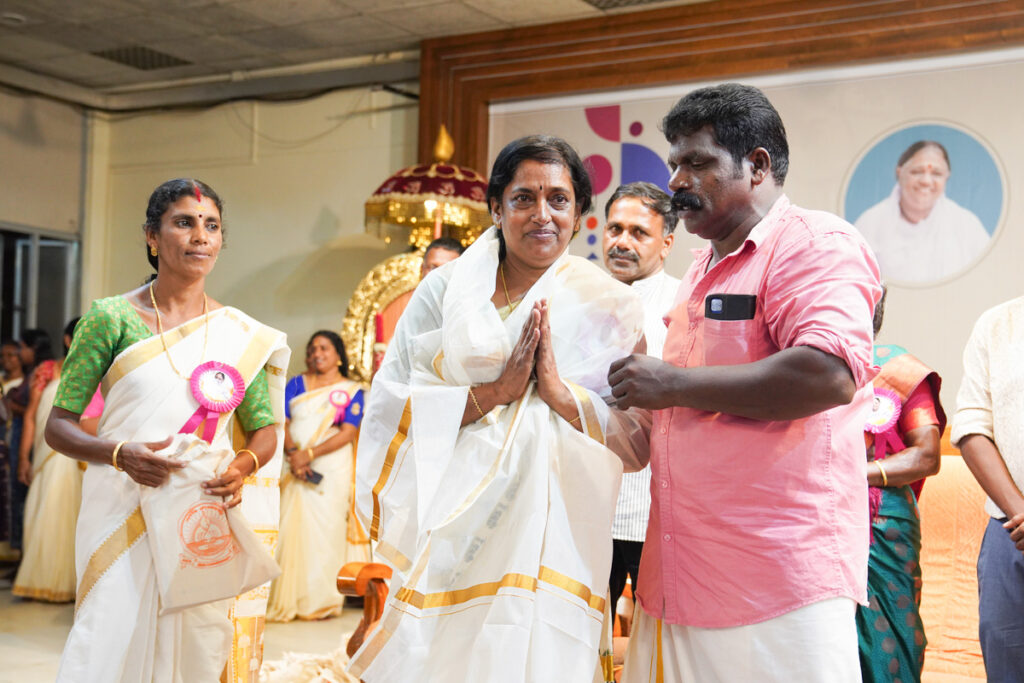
508, 300
160, 330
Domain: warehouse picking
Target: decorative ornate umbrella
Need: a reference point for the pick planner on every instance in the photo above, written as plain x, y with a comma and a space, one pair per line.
428, 201
419, 203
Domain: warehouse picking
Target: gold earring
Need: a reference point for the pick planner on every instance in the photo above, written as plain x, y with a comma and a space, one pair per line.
152, 250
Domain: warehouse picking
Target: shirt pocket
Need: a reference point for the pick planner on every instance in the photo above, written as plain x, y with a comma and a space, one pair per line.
730, 342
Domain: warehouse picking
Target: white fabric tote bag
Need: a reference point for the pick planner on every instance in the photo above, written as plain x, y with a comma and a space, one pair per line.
201, 551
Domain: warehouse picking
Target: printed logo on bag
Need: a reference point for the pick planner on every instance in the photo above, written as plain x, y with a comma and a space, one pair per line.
205, 536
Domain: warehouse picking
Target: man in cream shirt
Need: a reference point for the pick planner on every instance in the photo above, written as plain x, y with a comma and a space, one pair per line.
988, 427
638, 237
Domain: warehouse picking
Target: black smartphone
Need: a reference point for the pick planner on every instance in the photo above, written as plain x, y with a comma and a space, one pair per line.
730, 306
314, 477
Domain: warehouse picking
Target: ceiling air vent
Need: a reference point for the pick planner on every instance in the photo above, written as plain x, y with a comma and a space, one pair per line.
616, 4
141, 58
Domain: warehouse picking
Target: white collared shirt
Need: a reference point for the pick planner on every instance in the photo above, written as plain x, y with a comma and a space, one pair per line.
658, 293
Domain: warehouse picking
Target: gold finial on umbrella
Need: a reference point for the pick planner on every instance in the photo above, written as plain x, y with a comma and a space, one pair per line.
444, 148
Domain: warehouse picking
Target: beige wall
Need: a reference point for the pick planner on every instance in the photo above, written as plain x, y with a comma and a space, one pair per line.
293, 177
40, 164
832, 117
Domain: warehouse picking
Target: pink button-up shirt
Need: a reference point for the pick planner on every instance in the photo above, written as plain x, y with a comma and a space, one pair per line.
752, 519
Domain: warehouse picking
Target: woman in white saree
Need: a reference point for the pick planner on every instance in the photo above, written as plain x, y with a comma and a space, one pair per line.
139, 347
489, 461
318, 532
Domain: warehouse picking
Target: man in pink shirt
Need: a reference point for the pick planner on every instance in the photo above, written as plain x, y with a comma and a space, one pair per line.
756, 550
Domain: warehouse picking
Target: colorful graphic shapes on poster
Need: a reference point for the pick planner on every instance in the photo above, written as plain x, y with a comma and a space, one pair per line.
640, 163
605, 121
600, 170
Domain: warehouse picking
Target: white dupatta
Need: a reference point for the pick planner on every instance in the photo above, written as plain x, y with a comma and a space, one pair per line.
499, 532
118, 634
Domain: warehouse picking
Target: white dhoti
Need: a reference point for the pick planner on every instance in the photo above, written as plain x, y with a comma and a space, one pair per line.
816, 643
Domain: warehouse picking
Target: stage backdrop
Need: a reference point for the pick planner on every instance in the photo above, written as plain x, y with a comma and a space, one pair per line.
847, 128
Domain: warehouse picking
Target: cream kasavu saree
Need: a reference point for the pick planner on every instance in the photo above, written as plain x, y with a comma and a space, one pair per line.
119, 634
499, 532
47, 569
315, 538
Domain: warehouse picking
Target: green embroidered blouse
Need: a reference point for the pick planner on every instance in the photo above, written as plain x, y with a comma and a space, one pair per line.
110, 327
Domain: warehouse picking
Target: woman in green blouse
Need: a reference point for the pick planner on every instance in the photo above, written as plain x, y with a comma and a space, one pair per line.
180, 374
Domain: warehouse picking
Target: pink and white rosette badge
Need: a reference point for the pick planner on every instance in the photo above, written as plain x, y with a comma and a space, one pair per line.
219, 388
340, 400
885, 413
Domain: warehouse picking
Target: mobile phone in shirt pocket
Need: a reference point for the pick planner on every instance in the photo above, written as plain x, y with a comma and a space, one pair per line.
729, 330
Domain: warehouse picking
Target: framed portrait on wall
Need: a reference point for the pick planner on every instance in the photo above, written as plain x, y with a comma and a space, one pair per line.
929, 198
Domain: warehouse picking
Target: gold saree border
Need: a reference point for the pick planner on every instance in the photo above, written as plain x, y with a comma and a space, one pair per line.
590, 421
151, 347
43, 594
389, 461
246, 644
104, 557
254, 356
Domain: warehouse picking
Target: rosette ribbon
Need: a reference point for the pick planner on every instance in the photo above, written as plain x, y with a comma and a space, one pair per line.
219, 388
340, 400
885, 413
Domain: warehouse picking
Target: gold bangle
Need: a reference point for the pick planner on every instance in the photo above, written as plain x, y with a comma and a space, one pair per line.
311, 456
255, 461
575, 419
473, 396
885, 479
113, 458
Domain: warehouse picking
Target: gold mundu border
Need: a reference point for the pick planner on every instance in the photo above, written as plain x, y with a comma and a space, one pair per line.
389, 462
491, 588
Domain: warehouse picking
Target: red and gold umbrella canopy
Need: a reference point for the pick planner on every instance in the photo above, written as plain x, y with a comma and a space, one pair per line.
428, 201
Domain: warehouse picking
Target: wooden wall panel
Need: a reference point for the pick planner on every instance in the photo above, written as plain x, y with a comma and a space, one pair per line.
462, 75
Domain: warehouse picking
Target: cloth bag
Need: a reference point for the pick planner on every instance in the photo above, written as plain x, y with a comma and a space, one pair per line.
201, 551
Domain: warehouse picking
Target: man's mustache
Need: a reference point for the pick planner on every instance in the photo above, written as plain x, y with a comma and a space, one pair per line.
683, 200
615, 252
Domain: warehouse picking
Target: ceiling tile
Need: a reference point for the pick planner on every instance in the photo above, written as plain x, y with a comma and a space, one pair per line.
288, 12
442, 19
79, 67
74, 11
524, 12
74, 36
144, 29
226, 35
182, 8
18, 48
276, 38
32, 13
383, 5
350, 29
208, 48
224, 19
